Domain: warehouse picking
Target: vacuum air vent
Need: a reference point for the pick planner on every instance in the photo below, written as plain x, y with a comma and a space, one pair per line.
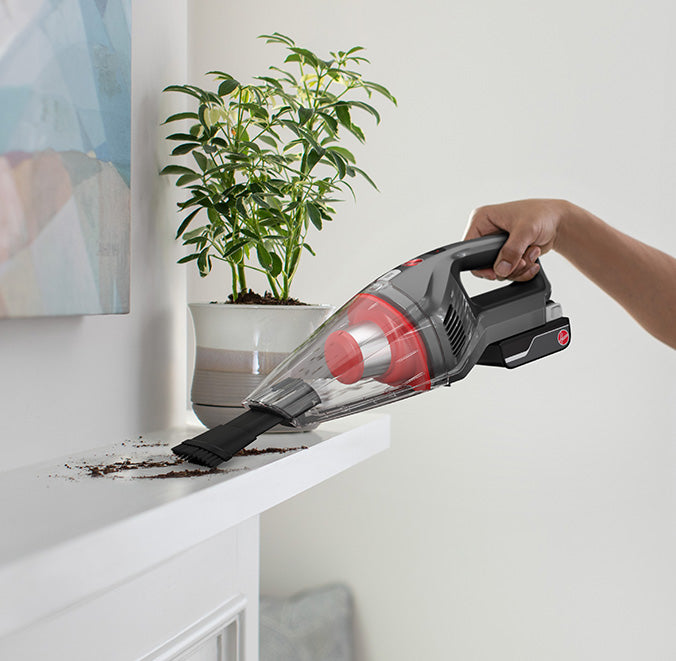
455, 331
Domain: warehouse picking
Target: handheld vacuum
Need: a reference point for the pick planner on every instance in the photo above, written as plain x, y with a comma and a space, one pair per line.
411, 330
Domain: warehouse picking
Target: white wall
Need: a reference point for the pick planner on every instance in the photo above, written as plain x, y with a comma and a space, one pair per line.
523, 514
74, 383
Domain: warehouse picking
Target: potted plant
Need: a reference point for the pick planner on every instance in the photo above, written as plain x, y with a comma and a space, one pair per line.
261, 164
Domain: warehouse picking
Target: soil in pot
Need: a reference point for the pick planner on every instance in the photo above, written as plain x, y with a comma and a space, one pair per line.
252, 298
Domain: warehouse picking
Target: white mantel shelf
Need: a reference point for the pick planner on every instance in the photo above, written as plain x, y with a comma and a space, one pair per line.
67, 535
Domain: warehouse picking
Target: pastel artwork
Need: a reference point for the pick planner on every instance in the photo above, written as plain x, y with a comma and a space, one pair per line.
65, 139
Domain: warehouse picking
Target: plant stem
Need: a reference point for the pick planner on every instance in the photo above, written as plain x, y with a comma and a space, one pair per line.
273, 287
234, 282
242, 276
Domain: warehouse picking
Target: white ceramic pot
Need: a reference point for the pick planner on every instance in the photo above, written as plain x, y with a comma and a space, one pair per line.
237, 346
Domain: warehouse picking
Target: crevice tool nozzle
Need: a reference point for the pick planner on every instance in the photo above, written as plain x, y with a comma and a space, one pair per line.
219, 444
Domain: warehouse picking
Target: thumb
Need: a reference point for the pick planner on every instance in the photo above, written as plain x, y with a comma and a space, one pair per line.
511, 254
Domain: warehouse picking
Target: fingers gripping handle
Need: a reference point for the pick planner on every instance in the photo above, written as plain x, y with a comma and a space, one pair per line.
478, 253
482, 253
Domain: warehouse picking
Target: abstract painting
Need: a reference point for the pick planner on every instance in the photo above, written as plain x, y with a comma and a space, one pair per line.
65, 153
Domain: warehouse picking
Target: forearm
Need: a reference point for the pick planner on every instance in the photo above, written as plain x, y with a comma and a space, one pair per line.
641, 278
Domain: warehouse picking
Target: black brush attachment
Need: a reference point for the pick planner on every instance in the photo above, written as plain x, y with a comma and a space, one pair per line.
219, 444
284, 402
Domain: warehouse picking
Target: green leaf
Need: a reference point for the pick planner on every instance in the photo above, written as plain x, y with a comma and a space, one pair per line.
186, 179
234, 247
369, 108
277, 38
363, 174
330, 122
220, 142
343, 114
241, 134
198, 233
271, 81
286, 75
180, 115
290, 207
201, 114
195, 199
313, 213
260, 201
311, 159
263, 256
357, 132
226, 167
277, 266
249, 234
201, 160
345, 153
277, 186
268, 140
219, 74
295, 255
198, 241
188, 258
304, 114
214, 216
183, 89
185, 148
223, 208
294, 57
227, 87
306, 56
203, 263
241, 208
338, 162
255, 110
309, 138
381, 90
250, 145
211, 97
309, 249
186, 221
176, 169
181, 136
198, 188
344, 183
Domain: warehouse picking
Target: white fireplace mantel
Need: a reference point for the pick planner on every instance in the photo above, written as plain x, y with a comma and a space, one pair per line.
68, 538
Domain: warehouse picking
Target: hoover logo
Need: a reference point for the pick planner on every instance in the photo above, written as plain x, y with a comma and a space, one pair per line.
563, 337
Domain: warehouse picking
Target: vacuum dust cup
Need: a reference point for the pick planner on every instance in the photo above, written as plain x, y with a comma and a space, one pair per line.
412, 329
367, 353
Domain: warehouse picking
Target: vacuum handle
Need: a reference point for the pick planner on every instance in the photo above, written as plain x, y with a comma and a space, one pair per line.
482, 253
478, 253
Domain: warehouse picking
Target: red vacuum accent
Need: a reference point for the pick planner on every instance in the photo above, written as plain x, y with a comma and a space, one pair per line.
343, 357
409, 357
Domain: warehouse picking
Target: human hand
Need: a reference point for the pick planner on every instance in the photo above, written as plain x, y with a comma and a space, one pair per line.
532, 226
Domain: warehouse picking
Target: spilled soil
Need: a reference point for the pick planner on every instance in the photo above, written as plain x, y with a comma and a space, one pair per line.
186, 469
